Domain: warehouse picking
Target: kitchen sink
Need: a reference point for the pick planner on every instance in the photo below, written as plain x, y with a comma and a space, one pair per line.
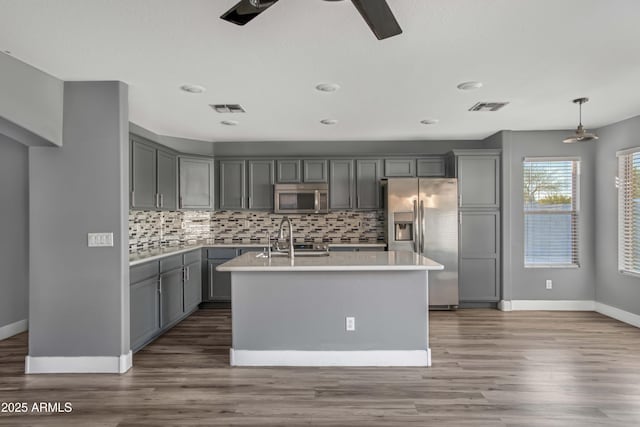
300, 253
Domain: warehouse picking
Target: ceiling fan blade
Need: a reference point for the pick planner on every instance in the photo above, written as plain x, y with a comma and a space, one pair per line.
245, 11
379, 17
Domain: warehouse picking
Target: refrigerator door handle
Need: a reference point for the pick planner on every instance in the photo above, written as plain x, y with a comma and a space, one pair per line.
423, 228
415, 225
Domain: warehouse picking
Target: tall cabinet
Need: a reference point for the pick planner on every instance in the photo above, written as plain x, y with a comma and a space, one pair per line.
478, 173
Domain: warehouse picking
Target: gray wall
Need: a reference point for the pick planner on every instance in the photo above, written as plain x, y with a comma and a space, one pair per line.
14, 229
613, 288
30, 99
521, 283
337, 148
79, 296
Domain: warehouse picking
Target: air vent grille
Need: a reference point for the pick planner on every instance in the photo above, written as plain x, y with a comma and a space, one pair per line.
228, 108
488, 106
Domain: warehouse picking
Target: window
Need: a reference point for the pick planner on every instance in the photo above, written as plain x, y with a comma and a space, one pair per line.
629, 211
551, 207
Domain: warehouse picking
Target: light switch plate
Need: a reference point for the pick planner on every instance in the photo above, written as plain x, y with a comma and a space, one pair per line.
96, 240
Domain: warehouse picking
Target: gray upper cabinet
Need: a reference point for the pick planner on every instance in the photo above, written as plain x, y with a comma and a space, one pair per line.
315, 170
399, 167
478, 180
431, 166
261, 180
143, 176
152, 177
167, 180
289, 171
233, 193
368, 184
341, 184
196, 183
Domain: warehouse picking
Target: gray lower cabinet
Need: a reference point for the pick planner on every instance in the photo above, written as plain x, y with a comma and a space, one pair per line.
219, 282
479, 257
261, 180
192, 286
171, 297
368, 184
196, 183
341, 185
399, 168
145, 315
232, 194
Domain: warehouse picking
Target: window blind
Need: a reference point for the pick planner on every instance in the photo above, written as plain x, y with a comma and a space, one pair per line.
628, 183
551, 208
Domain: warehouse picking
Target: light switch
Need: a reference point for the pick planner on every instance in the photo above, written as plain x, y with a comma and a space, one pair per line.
100, 240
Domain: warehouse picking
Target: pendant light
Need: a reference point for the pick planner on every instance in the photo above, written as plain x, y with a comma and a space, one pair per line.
580, 134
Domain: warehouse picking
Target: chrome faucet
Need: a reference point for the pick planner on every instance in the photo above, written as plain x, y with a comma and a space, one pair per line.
281, 235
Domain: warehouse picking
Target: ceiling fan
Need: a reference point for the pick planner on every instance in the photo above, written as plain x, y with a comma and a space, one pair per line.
376, 13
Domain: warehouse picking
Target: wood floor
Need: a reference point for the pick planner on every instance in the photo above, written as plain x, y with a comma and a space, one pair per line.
489, 369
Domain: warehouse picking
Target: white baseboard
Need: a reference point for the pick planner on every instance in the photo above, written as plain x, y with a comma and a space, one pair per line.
330, 358
13, 328
616, 313
79, 365
504, 305
552, 305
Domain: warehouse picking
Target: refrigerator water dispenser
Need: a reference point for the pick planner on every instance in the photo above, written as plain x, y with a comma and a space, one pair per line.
403, 226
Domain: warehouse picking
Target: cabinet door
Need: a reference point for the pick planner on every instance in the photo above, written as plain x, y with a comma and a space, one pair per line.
167, 180
143, 176
399, 167
219, 282
315, 171
261, 179
232, 185
196, 183
341, 184
479, 256
367, 184
289, 171
431, 167
192, 286
478, 181
144, 306
171, 297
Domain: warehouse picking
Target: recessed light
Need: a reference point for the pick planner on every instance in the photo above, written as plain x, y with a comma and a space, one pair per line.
327, 87
329, 121
429, 121
230, 122
469, 85
193, 88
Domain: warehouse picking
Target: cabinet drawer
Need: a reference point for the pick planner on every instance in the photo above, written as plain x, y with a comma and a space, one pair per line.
224, 253
143, 271
170, 263
190, 257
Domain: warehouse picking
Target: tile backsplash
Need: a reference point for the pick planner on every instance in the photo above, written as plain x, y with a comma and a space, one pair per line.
151, 229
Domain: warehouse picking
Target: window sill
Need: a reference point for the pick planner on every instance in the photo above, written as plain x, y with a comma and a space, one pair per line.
569, 266
629, 273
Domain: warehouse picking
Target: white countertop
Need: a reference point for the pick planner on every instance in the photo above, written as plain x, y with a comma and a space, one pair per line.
155, 254
342, 261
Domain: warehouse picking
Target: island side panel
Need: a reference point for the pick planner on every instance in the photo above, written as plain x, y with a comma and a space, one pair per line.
306, 310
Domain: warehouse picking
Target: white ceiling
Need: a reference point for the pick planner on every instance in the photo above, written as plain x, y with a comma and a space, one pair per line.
536, 54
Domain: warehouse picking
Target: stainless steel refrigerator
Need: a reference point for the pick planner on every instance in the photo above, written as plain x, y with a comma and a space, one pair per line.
422, 216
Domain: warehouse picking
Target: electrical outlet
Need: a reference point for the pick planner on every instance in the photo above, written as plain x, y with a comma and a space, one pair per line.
351, 324
549, 284
100, 240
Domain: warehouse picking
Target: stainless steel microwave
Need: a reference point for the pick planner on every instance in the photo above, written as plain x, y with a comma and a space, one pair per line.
301, 198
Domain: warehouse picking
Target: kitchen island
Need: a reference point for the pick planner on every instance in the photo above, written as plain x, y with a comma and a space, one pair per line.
296, 312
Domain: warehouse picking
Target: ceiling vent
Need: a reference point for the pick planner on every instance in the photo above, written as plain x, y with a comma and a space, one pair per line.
488, 106
228, 108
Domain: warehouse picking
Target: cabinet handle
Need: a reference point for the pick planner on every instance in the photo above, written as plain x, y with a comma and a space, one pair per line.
460, 218
181, 204
357, 201
249, 205
460, 200
161, 200
188, 273
133, 198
